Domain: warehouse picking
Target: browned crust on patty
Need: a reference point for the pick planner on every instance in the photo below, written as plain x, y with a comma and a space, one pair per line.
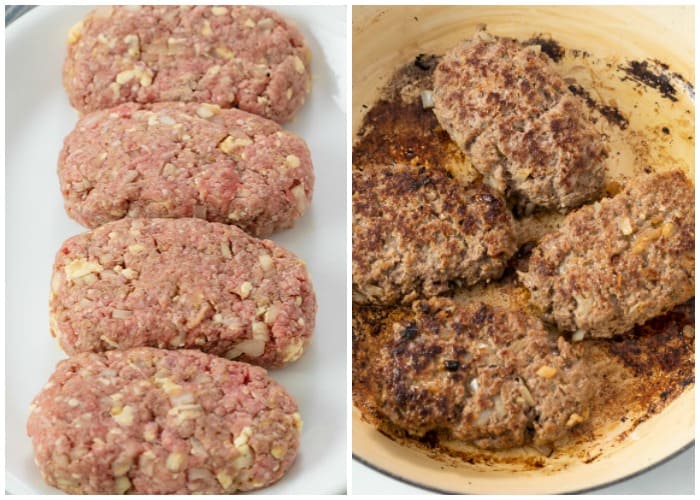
620, 262
482, 374
505, 106
418, 232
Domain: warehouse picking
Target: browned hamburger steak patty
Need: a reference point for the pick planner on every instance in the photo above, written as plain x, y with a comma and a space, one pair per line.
418, 232
185, 160
151, 421
619, 262
506, 107
233, 56
482, 374
181, 283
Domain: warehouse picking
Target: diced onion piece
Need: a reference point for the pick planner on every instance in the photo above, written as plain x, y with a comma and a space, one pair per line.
271, 314
251, 347
426, 98
578, 336
546, 371
266, 23
232, 353
121, 314
260, 331
574, 420
302, 201
197, 448
625, 226
166, 120
474, 385
484, 36
199, 474
484, 417
544, 450
183, 398
527, 395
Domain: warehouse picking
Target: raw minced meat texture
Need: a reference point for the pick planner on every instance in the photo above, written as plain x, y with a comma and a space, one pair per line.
479, 373
418, 232
181, 283
185, 160
151, 421
233, 56
507, 108
619, 262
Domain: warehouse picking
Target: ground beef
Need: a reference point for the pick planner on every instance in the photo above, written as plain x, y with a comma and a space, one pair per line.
480, 373
620, 262
181, 283
150, 421
234, 56
506, 107
185, 160
418, 232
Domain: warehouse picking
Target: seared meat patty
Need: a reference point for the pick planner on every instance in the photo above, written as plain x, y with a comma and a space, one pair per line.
482, 374
620, 262
418, 232
506, 107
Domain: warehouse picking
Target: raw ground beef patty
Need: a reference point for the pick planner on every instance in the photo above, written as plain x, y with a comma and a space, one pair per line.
185, 160
152, 421
244, 57
417, 232
482, 374
506, 107
620, 262
181, 283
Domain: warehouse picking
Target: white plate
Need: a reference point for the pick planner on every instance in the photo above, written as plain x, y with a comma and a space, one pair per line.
38, 116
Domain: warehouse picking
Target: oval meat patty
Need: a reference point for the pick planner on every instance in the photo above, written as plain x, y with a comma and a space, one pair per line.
185, 160
151, 421
482, 374
620, 262
181, 283
418, 232
506, 107
233, 56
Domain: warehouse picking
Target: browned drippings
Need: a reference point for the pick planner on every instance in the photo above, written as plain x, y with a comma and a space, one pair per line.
397, 129
656, 75
549, 46
639, 373
659, 346
610, 113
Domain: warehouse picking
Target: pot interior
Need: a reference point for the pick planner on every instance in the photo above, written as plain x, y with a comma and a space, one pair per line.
650, 128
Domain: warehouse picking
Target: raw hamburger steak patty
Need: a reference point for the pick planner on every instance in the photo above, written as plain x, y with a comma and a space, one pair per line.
244, 57
181, 283
506, 107
152, 421
418, 232
185, 160
620, 262
481, 374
